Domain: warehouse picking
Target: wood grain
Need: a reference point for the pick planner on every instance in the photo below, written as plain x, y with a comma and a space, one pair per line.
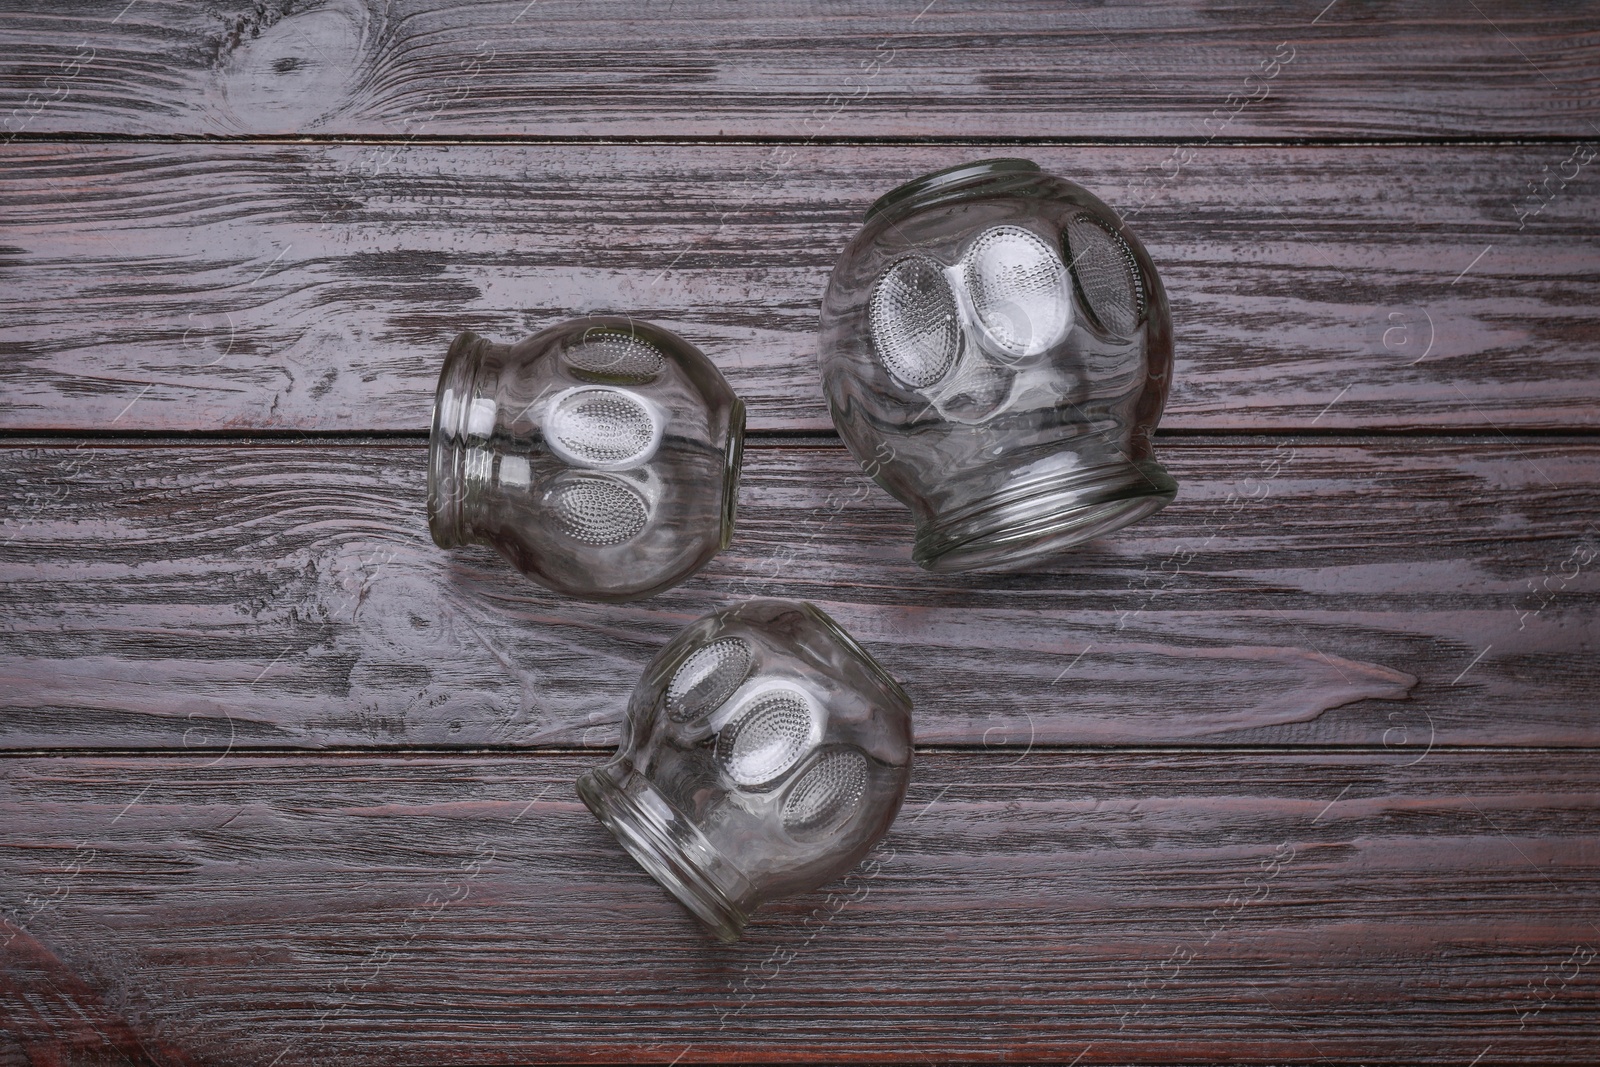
1122, 69
229, 596
1131, 907
1303, 769
183, 287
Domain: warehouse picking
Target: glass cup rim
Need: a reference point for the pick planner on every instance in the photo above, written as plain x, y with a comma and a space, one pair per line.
961, 174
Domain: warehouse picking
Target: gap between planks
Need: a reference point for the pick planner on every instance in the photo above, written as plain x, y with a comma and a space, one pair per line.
1002, 750
845, 141
798, 437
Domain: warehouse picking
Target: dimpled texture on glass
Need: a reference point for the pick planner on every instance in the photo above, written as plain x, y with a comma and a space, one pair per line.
767, 738
914, 325
996, 350
707, 679
1018, 288
764, 753
827, 794
977, 390
1107, 274
603, 427
597, 511
600, 456
614, 358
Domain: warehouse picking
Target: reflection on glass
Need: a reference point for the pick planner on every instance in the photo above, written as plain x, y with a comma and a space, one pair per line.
765, 753
601, 456
996, 350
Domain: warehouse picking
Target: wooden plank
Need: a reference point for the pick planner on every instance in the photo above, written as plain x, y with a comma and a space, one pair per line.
430, 67
1130, 907
1405, 593
312, 287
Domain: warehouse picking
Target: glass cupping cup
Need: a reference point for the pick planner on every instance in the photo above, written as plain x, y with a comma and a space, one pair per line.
996, 350
600, 456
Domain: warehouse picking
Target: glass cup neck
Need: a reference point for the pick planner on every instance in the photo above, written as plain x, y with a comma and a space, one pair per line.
942, 182
669, 847
451, 494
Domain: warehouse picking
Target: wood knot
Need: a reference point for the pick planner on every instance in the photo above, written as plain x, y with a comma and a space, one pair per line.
282, 70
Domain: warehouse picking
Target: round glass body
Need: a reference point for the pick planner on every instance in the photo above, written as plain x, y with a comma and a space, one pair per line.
996, 350
601, 456
764, 753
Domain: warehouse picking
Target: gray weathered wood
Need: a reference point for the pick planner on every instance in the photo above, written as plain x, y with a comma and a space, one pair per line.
430, 67
1303, 769
1145, 907
1400, 593
183, 287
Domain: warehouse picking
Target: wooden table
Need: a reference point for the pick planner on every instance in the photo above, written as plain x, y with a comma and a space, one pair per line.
1303, 769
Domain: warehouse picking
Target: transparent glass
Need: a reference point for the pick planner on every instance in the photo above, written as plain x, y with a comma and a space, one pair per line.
764, 753
600, 456
996, 350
